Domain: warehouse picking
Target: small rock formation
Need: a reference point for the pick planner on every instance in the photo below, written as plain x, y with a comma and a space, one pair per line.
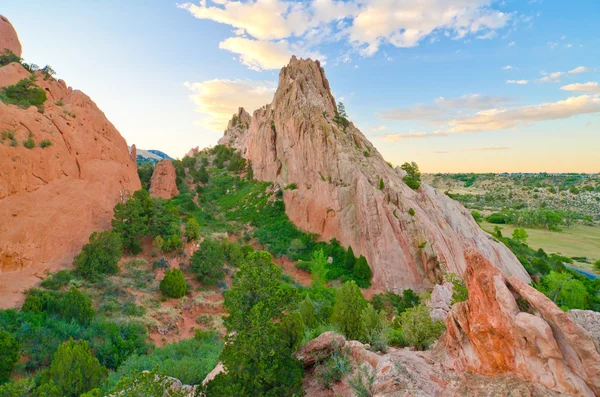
534, 340
193, 152
589, 320
164, 180
338, 173
440, 301
320, 348
53, 198
8, 37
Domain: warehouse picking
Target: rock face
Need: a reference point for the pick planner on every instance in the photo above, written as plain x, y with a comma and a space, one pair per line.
164, 180
53, 198
534, 340
295, 140
440, 301
8, 37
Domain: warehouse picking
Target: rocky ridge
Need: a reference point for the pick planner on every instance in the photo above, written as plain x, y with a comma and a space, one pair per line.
49, 196
164, 180
338, 174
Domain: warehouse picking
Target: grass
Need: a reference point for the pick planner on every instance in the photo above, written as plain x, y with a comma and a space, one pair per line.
575, 241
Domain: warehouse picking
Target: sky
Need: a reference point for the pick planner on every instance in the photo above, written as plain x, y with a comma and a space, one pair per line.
455, 85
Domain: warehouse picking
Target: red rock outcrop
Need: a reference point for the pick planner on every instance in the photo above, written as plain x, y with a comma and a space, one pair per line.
337, 173
8, 37
53, 198
164, 180
491, 335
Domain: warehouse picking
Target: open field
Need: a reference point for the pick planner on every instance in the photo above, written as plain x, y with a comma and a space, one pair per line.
576, 241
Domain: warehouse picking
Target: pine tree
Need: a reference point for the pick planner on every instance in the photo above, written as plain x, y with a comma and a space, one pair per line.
173, 284
347, 311
362, 272
9, 355
350, 260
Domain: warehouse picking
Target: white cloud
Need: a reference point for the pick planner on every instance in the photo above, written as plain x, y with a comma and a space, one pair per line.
379, 128
500, 119
366, 24
470, 101
507, 67
259, 55
512, 44
590, 86
219, 99
505, 118
522, 82
555, 77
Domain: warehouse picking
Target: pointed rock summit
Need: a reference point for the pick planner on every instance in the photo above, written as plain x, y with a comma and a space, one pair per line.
164, 180
63, 167
346, 190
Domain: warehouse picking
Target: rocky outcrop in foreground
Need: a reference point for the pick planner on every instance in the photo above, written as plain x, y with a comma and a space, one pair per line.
508, 327
164, 180
52, 198
345, 189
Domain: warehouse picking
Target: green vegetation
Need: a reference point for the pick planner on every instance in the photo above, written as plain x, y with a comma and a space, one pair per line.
74, 371
347, 311
145, 173
7, 57
100, 256
460, 293
418, 328
173, 284
258, 361
45, 143
208, 261
25, 93
413, 175
340, 117
9, 355
29, 143
564, 290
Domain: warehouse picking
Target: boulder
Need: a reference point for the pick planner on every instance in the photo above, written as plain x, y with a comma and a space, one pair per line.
440, 301
8, 37
164, 180
534, 340
338, 171
320, 348
53, 198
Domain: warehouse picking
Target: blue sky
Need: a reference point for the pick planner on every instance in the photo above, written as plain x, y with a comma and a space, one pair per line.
455, 85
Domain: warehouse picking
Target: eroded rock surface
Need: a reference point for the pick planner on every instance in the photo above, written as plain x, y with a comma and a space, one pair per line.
8, 37
533, 340
164, 180
53, 198
295, 140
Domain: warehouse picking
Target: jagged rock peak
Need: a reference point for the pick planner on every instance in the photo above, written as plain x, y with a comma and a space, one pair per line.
8, 37
306, 80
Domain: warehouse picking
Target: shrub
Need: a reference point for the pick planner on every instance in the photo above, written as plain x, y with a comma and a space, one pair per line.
381, 184
496, 218
9, 355
413, 175
597, 266
25, 93
362, 382
291, 186
208, 261
362, 272
375, 330
77, 306
307, 311
32, 304
460, 293
7, 57
45, 143
520, 235
100, 256
564, 290
192, 229
74, 370
333, 369
173, 284
411, 212
477, 216
347, 311
418, 328
29, 143
147, 384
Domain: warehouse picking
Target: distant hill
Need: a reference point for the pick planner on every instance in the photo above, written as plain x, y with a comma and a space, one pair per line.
151, 156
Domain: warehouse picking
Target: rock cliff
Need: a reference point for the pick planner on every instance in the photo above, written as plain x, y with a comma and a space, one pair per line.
338, 174
8, 37
164, 180
508, 327
52, 198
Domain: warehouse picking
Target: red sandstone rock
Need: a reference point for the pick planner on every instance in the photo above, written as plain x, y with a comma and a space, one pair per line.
8, 37
294, 140
53, 198
320, 348
164, 180
490, 335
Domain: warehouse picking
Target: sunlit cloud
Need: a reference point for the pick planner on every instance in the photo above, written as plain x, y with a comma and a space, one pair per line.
218, 100
555, 77
521, 82
590, 86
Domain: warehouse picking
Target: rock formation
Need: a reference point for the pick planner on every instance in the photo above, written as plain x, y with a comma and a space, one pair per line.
53, 198
8, 37
164, 180
338, 173
508, 327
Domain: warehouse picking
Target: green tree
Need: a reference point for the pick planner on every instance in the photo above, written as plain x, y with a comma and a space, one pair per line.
520, 235
418, 328
597, 266
381, 184
146, 384
257, 359
77, 306
349, 260
460, 293
173, 284
347, 310
100, 256
24, 93
192, 229
374, 325
9, 355
292, 330
413, 175
318, 268
307, 311
8, 56
564, 290
131, 220
477, 216
159, 243
74, 369
340, 117
208, 261
362, 272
